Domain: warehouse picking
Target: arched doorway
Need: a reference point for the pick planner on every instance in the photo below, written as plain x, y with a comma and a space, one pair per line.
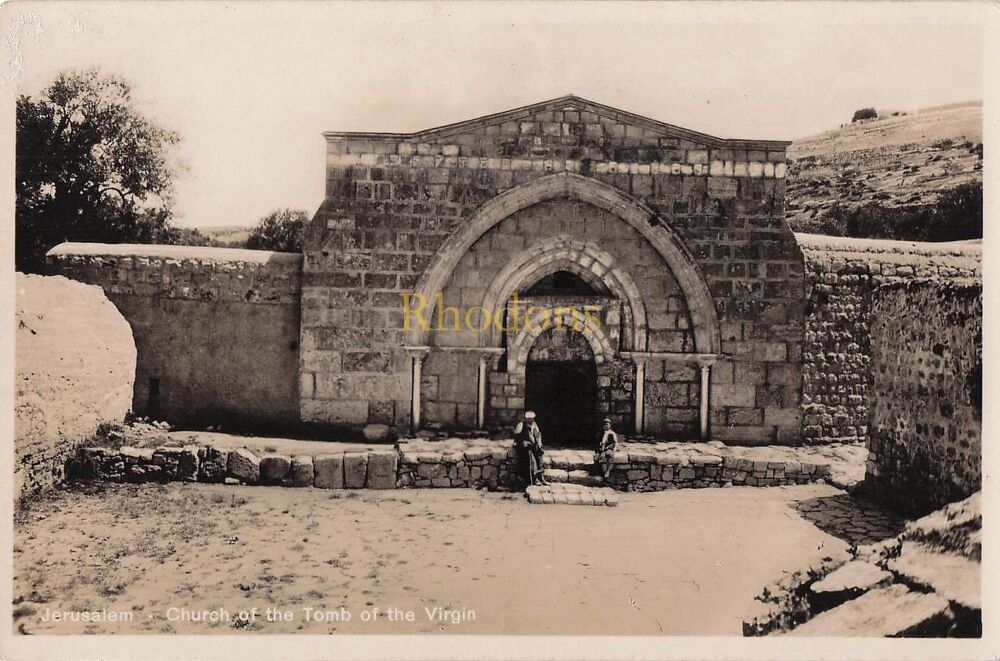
561, 371
561, 387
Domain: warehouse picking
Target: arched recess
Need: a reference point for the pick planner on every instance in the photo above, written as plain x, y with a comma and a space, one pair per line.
520, 345
563, 253
701, 306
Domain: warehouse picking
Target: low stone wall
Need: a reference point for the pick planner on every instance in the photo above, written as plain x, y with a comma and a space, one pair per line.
75, 364
665, 466
454, 462
841, 276
926, 414
376, 469
217, 329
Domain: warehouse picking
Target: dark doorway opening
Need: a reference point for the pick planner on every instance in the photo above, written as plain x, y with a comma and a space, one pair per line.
563, 394
564, 283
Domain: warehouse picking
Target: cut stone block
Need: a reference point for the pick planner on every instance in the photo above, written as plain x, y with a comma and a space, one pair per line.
952, 576
133, 455
274, 468
382, 470
895, 611
329, 471
475, 454
641, 457
570, 494
244, 466
855, 575
355, 469
430, 471
568, 460
847, 582
585, 478
301, 471
187, 464
168, 459
143, 473
556, 475
212, 464
377, 433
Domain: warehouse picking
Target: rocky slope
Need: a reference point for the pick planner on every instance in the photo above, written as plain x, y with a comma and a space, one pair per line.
923, 583
898, 160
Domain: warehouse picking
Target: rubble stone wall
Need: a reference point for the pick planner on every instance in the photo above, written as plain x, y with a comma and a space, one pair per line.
926, 413
841, 276
472, 463
216, 329
75, 364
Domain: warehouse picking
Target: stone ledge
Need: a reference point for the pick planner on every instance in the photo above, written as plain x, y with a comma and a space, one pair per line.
193, 253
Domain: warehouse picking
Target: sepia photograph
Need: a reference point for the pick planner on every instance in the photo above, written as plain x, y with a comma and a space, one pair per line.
496, 330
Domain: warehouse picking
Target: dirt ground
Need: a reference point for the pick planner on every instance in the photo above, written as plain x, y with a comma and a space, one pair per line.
677, 562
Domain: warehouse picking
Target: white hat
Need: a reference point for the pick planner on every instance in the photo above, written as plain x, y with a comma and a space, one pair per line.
529, 415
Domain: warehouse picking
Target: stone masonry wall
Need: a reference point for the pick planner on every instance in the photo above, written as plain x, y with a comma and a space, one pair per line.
75, 365
217, 330
926, 415
842, 275
671, 407
393, 201
453, 463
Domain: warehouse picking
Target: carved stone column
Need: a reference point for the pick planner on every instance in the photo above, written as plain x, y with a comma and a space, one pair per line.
706, 369
487, 358
417, 356
640, 394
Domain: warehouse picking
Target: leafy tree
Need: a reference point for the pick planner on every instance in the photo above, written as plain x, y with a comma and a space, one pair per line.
864, 113
89, 167
279, 230
958, 214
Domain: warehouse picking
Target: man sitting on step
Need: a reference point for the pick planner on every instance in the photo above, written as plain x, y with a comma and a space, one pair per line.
607, 445
528, 444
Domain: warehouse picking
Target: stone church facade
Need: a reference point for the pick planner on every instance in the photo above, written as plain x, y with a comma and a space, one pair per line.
642, 271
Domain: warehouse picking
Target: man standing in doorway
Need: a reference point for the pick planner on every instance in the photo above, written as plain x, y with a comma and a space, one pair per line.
528, 442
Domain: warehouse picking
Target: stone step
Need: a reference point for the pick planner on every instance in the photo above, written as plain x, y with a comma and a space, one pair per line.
571, 494
856, 575
895, 611
583, 477
848, 582
568, 460
954, 577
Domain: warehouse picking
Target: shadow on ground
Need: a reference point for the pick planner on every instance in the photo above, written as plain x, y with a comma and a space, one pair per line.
853, 519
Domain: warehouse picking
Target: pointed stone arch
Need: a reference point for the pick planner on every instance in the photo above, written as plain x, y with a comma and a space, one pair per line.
520, 346
586, 260
701, 306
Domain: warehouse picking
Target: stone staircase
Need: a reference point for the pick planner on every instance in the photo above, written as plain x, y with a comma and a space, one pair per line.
571, 467
571, 494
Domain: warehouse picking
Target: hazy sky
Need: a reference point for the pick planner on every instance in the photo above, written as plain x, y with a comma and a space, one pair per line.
252, 86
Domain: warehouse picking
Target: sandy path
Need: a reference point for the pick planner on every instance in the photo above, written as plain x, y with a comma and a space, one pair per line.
676, 562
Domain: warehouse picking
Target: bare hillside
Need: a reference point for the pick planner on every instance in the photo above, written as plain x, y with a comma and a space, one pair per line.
898, 160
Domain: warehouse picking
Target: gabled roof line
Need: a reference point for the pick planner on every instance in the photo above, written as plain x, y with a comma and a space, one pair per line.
557, 104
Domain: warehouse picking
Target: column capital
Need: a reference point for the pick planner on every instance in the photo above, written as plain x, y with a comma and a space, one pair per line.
672, 357
418, 352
